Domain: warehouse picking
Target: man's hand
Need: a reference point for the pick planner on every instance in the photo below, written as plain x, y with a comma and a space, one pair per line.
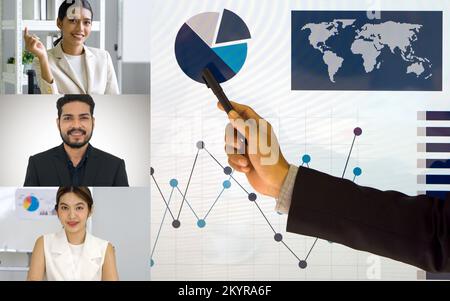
259, 155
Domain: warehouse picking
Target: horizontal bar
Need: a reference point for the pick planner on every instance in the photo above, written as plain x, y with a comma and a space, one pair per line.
438, 276
433, 163
433, 115
15, 251
437, 194
433, 179
433, 131
433, 147
14, 269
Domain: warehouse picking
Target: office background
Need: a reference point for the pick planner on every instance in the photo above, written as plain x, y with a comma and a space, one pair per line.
28, 126
126, 35
121, 216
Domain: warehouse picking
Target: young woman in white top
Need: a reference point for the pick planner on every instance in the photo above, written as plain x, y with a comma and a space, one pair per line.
71, 67
72, 254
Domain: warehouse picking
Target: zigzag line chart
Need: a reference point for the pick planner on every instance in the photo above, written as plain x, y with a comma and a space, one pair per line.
201, 219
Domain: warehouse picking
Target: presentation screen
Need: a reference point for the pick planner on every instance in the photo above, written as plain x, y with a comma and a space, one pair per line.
355, 89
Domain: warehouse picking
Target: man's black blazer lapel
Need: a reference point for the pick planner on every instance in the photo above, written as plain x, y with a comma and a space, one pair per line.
92, 168
60, 164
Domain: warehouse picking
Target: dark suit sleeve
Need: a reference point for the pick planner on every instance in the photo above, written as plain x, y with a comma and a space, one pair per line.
414, 230
31, 179
121, 178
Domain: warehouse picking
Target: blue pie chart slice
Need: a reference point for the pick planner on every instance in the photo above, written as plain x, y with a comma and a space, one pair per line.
31, 203
234, 55
194, 55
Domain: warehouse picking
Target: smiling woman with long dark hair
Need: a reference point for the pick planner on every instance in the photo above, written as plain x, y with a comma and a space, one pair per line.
72, 254
71, 67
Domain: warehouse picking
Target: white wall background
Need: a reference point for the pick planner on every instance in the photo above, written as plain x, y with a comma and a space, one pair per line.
136, 30
133, 51
122, 216
28, 126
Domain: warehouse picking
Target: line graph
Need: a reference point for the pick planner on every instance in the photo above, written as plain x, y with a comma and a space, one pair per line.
201, 218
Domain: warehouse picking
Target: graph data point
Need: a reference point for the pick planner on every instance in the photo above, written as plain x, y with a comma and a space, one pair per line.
173, 183
278, 237
357, 171
176, 224
302, 264
357, 131
200, 145
152, 263
152, 171
306, 159
228, 170
252, 197
201, 223
226, 184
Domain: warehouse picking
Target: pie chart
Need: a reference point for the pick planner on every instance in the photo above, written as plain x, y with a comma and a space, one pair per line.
31, 203
213, 40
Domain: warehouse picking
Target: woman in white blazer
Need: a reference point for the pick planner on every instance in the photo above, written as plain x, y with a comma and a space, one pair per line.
72, 254
71, 67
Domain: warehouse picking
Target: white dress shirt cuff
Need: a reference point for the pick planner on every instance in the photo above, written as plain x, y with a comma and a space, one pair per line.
285, 198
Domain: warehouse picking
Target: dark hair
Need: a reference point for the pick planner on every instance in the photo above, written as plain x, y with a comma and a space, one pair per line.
62, 12
68, 98
83, 192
